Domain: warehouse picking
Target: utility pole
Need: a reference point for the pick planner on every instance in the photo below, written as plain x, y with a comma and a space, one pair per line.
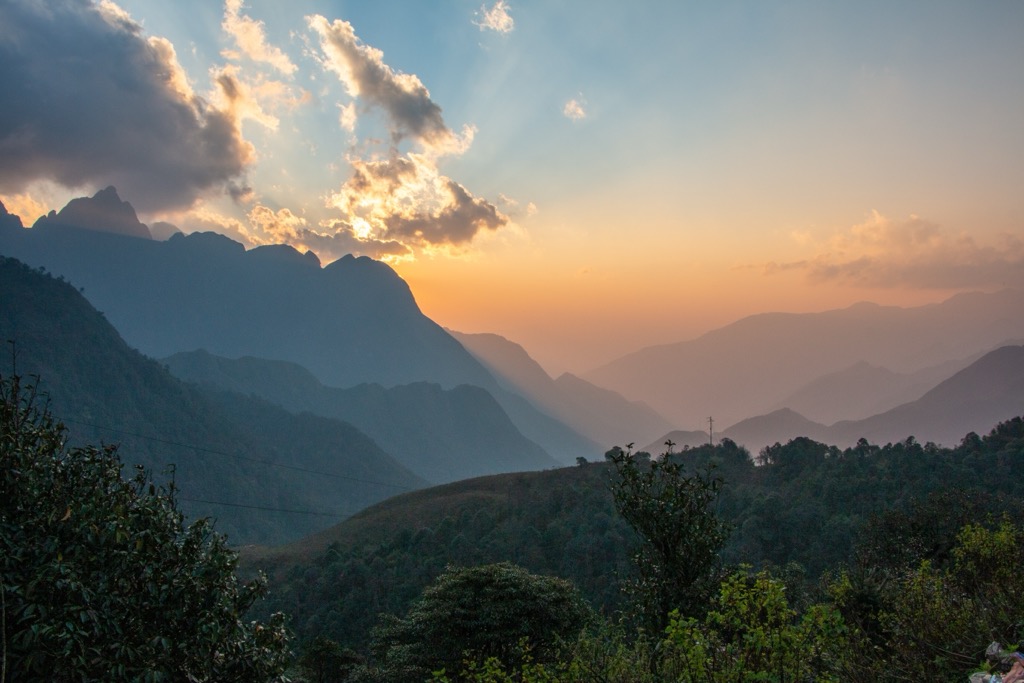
711, 431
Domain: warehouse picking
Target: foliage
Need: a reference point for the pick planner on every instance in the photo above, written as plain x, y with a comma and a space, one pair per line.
819, 516
325, 661
102, 581
681, 536
751, 633
933, 621
556, 523
497, 611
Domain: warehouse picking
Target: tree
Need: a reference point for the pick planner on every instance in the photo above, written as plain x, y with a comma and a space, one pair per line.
325, 661
680, 534
101, 578
752, 634
496, 612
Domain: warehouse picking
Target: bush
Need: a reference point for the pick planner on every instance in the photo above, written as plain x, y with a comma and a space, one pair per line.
101, 578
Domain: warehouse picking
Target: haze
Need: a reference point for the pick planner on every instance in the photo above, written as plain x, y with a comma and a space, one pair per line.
583, 178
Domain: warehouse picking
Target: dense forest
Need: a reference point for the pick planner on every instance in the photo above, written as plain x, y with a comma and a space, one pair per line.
844, 528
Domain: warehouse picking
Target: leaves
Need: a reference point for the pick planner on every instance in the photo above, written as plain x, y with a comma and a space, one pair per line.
113, 585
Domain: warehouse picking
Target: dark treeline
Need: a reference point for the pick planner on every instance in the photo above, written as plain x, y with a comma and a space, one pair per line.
801, 509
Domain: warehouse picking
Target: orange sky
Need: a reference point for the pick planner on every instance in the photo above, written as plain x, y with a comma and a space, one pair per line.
583, 177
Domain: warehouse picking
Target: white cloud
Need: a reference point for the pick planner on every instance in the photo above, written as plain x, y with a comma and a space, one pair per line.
574, 109
405, 198
396, 202
251, 39
497, 18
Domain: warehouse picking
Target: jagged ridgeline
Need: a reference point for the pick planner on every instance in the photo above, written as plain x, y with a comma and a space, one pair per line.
239, 459
350, 322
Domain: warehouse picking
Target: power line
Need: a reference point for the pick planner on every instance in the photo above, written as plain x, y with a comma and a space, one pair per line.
212, 451
260, 507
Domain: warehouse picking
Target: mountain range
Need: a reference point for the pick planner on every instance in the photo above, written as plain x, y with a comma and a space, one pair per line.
755, 364
602, 414
267, 475
441, 435
348, 341
351, 322
986, 392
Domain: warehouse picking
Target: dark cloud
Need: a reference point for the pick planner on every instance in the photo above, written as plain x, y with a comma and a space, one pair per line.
90, 100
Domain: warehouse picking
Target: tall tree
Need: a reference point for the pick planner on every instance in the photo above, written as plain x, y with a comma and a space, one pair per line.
680, 534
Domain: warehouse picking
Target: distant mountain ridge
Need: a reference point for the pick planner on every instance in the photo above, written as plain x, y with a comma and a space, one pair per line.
442, 435
351, 322
863, 390
238, 459
601, 414
988, 391
751, 366
103, 212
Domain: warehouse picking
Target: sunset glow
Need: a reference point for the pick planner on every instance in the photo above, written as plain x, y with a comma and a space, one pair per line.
582, 178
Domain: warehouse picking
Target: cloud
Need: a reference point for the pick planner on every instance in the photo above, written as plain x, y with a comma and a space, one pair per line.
332, 241
496, 18
347, 117
25, 206
574, 110
405, 198
403, 98
251, 39
395, 203
90, 101
340, 238
238, 99
277, 227
201, 218
882, 252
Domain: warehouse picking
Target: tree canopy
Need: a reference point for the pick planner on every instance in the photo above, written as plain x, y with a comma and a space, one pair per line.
101, 578
495, 611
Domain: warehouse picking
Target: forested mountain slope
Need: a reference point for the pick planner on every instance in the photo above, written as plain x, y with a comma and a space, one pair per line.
807, 503
440, 434
238, 452
350, 322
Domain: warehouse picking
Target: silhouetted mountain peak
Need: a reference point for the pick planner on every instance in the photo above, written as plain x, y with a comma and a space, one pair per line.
208, 242
8, 220
103, 212
283, 253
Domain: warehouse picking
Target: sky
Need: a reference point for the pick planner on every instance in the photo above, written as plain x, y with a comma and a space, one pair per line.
585, 178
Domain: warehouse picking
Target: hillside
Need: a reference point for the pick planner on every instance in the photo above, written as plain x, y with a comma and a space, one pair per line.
807, 504
604, 416
751, 366
232, 455
989, 390
986, 392
349, 322
440, 434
